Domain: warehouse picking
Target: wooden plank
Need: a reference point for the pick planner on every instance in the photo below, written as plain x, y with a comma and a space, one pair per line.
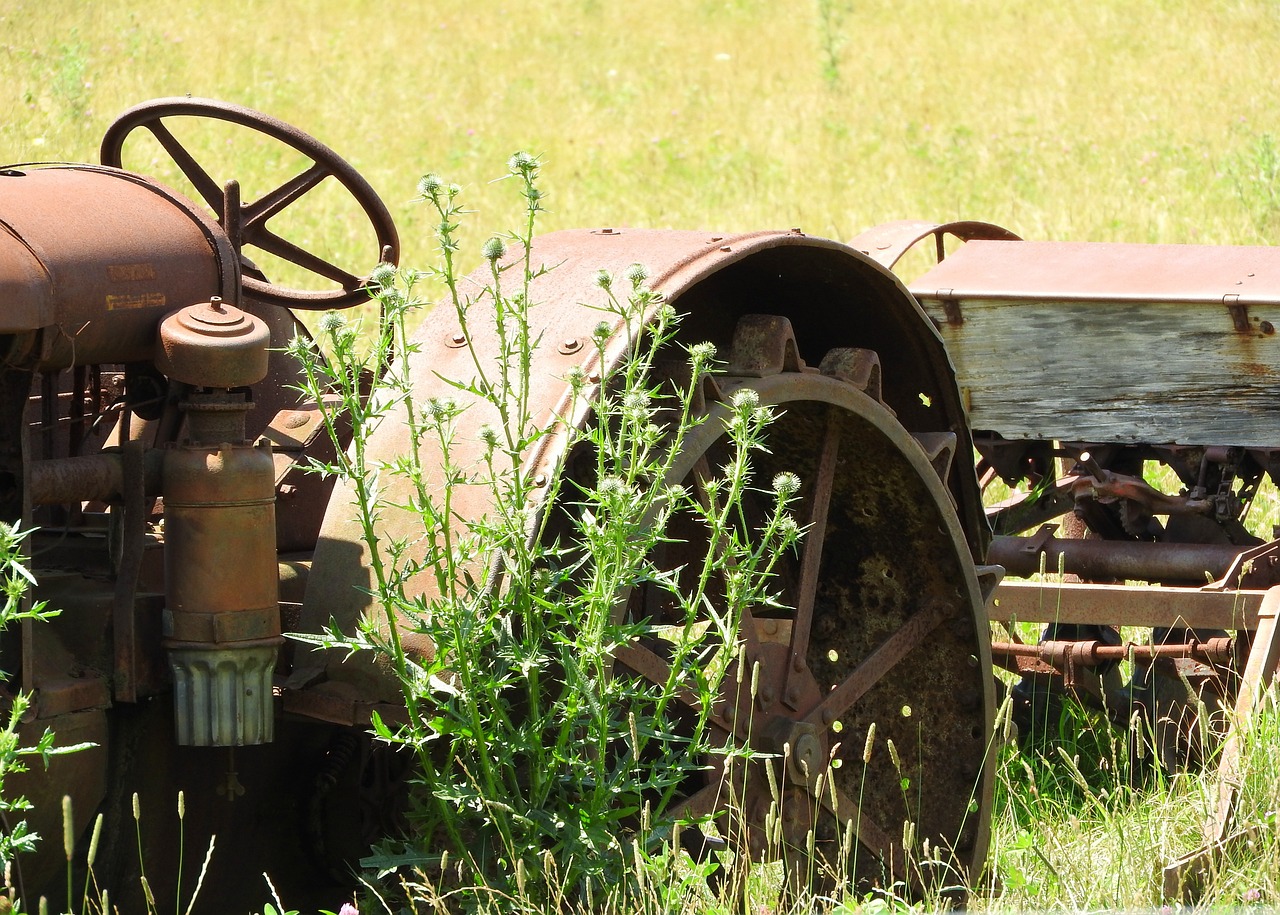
1115, 371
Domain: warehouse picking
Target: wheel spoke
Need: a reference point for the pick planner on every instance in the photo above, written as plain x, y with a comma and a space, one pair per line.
815, 535
866, 830
867, 674
257, 213
646, 663
749, 637
274, 244
205, 186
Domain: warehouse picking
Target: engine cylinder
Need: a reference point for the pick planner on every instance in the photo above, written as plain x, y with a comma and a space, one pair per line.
222, 620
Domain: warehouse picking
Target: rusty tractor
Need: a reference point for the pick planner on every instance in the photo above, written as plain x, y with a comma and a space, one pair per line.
153, 443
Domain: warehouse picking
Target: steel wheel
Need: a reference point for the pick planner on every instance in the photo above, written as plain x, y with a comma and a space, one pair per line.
888, 632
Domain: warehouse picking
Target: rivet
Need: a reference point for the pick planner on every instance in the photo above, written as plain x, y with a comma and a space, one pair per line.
726, 248
828, 716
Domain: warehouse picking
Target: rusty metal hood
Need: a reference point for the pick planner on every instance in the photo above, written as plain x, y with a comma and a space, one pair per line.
1104, 271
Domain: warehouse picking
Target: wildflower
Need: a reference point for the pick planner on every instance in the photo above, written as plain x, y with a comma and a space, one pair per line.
494, 249
429, 185
702, 353
786, 484
348, 909
637, 274
382, 276
604, 279
745, 400
331, 322
521, 163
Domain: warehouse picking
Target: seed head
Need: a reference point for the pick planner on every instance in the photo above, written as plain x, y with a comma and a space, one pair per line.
489, 435
383, 275
637, 274
494, 249
429, 184
604, 279
331, 322
522, 163
602, 332
702, 353
745, 400
869, 745
786, 484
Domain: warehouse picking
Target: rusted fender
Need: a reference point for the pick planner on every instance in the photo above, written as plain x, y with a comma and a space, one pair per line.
886, 243
833, 296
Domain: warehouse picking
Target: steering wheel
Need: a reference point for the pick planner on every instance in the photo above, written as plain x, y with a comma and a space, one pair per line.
247, 224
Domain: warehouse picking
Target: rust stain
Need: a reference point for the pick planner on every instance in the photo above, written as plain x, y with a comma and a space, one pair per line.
130, 273
141, 300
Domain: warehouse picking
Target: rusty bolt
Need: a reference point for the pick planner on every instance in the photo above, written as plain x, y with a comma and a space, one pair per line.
796, 231
716, 238
797, 663
570, 345
1267, 328
828, 716
540, 480
456, 339
726, 248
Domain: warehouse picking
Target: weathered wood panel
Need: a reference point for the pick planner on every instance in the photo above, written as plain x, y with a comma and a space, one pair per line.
1116, 371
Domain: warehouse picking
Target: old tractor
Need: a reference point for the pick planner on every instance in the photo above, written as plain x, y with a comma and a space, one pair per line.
154, 446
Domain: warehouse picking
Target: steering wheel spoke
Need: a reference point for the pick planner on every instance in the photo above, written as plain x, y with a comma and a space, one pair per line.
273, 244
352, 289
257, 213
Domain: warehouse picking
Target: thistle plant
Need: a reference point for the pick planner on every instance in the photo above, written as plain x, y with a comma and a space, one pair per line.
548, 774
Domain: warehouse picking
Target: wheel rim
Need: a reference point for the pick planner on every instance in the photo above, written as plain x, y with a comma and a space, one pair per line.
889, 630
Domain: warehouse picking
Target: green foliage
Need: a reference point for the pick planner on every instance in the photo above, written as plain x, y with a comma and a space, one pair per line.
545, 778
15, 579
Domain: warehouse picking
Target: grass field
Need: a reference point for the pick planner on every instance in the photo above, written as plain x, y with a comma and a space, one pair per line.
1134, 120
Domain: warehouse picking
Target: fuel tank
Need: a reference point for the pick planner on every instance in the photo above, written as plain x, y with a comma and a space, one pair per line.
91, 258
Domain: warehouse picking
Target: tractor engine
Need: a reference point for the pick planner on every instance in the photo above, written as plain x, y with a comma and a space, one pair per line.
115, 326
152, 449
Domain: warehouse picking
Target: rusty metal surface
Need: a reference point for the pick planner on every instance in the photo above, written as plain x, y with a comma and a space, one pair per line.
888, 242
870, 485
833, 296
1124, 605
1108, 560
213, 345
72, 258
248, 222
1106, 272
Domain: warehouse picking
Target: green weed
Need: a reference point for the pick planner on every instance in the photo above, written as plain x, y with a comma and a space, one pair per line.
546, 777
